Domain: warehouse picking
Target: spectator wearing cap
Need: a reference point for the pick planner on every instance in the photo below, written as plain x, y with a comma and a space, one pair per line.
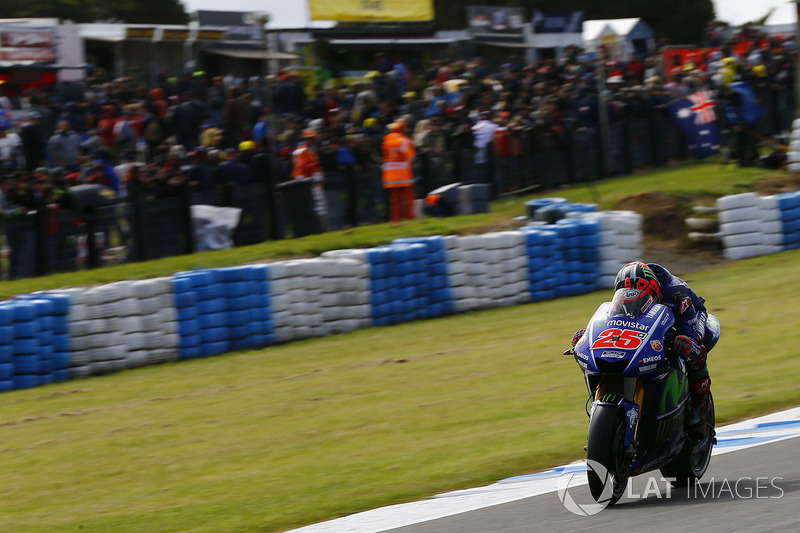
306, 165
398, 172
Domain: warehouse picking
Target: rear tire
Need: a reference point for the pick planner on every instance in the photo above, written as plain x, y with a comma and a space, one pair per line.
606, 446
689, 466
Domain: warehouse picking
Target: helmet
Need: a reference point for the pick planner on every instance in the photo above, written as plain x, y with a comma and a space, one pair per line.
637, 275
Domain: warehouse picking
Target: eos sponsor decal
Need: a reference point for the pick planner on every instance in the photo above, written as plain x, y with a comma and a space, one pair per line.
650, 359
647, 368
627, 324
580, 355
612, 355
656, 345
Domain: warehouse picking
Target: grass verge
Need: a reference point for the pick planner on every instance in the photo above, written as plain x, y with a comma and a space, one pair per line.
272, 439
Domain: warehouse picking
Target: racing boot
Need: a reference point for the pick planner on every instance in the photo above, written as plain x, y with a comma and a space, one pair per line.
699, 383
698, 407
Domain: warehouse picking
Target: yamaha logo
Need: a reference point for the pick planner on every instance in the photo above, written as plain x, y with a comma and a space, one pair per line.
574, 476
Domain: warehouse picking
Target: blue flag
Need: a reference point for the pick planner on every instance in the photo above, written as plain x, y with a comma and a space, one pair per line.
698, 122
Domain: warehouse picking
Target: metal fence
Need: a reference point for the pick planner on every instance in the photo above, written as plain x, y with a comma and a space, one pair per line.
67, 240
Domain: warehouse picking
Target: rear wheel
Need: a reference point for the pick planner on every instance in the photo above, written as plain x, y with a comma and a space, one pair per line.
606, 446
690, 465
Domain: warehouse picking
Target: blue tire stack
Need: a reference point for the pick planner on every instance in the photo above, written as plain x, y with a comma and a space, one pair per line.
439, 293
27, 361
570, 278
208, 287
6, 347
265, 327
61, 340
543, 261
589, 238
239, 292
411, 270
383, 296
188, 323
789, 204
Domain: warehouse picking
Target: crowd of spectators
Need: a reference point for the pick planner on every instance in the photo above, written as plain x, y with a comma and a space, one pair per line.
200, 131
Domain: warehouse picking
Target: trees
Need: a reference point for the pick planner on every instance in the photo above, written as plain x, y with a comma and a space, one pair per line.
681, 21
131, 11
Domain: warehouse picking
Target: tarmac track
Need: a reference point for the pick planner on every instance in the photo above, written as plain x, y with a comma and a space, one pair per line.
752, 484
757, 503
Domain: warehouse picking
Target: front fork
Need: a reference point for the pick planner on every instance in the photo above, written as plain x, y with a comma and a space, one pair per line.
606, 393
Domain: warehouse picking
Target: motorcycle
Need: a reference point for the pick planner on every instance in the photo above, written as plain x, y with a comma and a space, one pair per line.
639, 397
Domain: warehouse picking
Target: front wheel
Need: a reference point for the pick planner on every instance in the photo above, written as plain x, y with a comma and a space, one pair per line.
690, 465
606, 446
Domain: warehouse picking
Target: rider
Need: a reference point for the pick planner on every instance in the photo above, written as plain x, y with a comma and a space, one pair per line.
690, 327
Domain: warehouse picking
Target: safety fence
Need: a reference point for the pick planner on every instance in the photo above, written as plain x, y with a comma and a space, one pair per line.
76, 333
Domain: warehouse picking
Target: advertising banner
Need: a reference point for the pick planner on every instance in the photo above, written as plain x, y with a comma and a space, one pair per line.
27, 45
495, 20
239, 27
561, 22
371, 10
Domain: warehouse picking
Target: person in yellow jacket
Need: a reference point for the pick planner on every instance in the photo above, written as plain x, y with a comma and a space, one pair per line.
305, 164
398, 172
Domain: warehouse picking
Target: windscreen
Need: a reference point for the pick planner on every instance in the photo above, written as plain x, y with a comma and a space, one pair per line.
631, 303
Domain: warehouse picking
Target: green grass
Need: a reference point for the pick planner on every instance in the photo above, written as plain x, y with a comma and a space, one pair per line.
271, 439
698, 181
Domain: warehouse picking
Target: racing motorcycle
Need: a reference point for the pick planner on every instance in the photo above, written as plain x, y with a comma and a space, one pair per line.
639, 397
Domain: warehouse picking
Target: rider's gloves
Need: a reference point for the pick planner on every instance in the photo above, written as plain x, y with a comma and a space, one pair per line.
577, 336
687, 348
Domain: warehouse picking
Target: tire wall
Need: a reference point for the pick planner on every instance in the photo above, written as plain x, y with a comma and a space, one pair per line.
76, 333
751, 225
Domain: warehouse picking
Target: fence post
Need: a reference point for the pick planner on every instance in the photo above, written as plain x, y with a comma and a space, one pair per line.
40, 232
187, 233
141, 253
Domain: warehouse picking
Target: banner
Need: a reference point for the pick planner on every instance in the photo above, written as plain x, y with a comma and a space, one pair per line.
371, 10
495, 20
239, 28
696, 117
27, 45
562, 22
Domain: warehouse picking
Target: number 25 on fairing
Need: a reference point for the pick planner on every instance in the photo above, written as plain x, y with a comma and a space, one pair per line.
626, 339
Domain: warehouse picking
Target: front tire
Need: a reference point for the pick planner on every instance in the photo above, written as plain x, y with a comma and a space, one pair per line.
606, 446
690, 465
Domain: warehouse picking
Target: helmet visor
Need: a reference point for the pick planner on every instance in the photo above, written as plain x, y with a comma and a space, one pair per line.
631, 303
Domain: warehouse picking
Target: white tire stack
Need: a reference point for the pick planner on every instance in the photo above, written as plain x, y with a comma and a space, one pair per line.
345, 294
159, 319
296, 290
793, 155
742, 225
620, 243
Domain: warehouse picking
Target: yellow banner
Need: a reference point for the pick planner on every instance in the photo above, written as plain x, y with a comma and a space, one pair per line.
371, 10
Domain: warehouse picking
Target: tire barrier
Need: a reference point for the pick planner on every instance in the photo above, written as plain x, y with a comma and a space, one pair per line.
76, 333
489, 270
788, 205
34, 341
749, 225
793, 155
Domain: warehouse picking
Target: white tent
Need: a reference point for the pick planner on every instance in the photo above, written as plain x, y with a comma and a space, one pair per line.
622, 36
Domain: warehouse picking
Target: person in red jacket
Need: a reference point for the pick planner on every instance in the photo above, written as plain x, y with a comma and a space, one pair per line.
398, 172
